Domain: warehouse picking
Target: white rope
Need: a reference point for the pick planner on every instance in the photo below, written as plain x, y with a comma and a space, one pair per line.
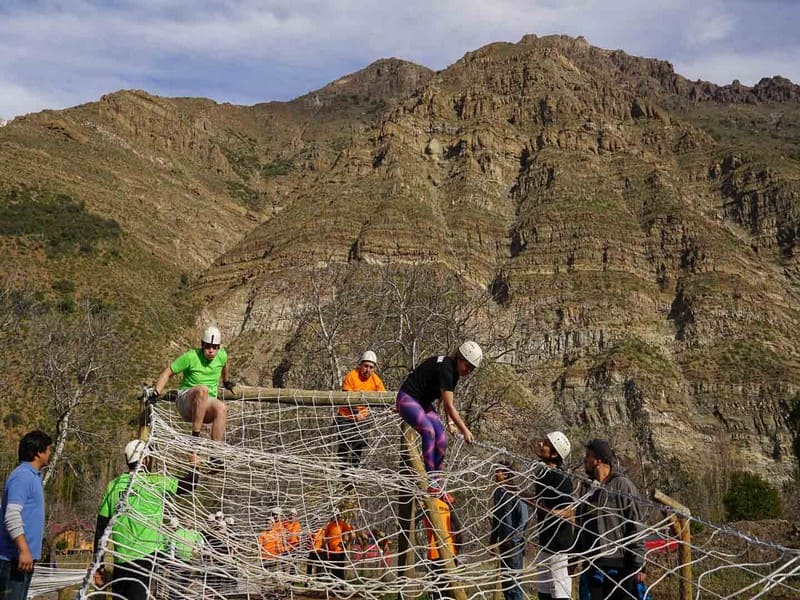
52, 579
283, 455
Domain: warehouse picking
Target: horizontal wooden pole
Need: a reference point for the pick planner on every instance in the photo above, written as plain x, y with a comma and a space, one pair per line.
662, 498
300, 397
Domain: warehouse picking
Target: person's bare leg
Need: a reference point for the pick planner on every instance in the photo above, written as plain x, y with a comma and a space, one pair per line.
198, 396
219, 411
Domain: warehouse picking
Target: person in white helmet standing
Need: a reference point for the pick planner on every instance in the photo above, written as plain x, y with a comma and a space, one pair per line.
436, 378
351, 421
137, 530
553, 501
202, 368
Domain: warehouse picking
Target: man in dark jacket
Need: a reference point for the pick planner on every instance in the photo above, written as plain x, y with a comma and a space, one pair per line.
509, 520
611, 528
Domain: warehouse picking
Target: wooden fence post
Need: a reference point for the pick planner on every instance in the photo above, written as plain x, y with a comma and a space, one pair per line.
681, 529
431, 511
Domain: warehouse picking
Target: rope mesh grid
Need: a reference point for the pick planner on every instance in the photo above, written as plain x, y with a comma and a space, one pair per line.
284, 454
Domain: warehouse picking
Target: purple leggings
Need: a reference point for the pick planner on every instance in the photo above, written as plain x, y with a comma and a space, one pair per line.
430, 428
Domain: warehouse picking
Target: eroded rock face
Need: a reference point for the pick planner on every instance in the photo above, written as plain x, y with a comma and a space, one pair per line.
650, 265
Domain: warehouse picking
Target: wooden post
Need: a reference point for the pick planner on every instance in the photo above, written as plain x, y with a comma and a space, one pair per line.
406, 516
431, 510
144, 424
681, 530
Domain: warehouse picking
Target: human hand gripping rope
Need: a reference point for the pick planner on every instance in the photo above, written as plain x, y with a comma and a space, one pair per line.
150, 395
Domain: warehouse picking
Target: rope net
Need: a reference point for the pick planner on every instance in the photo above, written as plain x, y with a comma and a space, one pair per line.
226, 538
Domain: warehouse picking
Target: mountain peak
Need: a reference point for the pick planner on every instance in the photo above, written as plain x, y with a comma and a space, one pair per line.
385, 79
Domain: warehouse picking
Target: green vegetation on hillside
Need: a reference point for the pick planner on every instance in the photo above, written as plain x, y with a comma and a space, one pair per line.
63, 223
277, 168
750, 498
245, 195
767, 130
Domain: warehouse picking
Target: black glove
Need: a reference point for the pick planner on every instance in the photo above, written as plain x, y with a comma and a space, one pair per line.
152, 396
229, 385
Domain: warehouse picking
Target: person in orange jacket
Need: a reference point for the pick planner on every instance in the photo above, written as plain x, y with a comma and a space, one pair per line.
337, 536
317, 554
452, 530
450, 522
351, 421
292, 531
271, 540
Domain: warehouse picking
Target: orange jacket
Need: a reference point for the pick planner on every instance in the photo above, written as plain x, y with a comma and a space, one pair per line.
335, 532
318, 539
271, 541
444, 512
292, 532
352, 383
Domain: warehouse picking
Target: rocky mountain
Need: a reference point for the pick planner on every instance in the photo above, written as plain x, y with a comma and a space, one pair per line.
620, 238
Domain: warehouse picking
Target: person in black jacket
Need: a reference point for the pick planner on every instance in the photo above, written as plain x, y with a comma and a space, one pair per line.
554, 514
509, 520
611, 525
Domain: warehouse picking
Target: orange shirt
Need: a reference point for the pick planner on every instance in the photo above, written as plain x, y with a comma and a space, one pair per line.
352, 383
292, 531
335, 531
271, 541
318, 540
444, 512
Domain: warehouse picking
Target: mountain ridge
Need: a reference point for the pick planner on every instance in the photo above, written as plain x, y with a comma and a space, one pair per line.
634, 231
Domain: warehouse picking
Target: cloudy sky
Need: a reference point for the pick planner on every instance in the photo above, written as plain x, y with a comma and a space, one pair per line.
59, 53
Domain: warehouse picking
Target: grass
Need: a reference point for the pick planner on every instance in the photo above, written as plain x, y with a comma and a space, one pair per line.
64, 224
277, 168
245, 195
632, 354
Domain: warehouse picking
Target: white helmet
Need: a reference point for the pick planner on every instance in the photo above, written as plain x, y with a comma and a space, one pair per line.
369, 356
472, 353
134, 451
217, 517
560, 443
293, 511
211, 335
277, 511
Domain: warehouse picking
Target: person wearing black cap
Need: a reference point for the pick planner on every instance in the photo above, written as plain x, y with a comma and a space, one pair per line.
610, 523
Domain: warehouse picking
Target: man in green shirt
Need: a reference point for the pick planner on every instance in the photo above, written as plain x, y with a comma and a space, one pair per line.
136, 532
201, 368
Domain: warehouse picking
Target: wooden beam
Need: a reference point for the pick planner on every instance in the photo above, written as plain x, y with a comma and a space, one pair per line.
300, 397
432, 511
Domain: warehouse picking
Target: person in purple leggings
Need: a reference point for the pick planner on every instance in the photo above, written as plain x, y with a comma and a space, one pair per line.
436, 378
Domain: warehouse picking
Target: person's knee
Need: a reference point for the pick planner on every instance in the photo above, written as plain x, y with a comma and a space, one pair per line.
221, 409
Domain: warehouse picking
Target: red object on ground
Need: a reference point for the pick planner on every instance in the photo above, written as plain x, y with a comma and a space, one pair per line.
659, 544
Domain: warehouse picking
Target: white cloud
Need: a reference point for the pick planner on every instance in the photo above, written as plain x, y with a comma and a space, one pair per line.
17, 100
256, 50
747, 68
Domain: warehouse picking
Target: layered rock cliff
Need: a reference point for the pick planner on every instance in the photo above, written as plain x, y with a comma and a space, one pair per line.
634, 231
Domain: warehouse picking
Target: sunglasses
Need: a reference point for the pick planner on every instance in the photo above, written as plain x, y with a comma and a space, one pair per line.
211, 346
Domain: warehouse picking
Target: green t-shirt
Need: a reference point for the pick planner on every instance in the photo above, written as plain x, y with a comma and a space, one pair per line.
188, 542
199, 371
136, 532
